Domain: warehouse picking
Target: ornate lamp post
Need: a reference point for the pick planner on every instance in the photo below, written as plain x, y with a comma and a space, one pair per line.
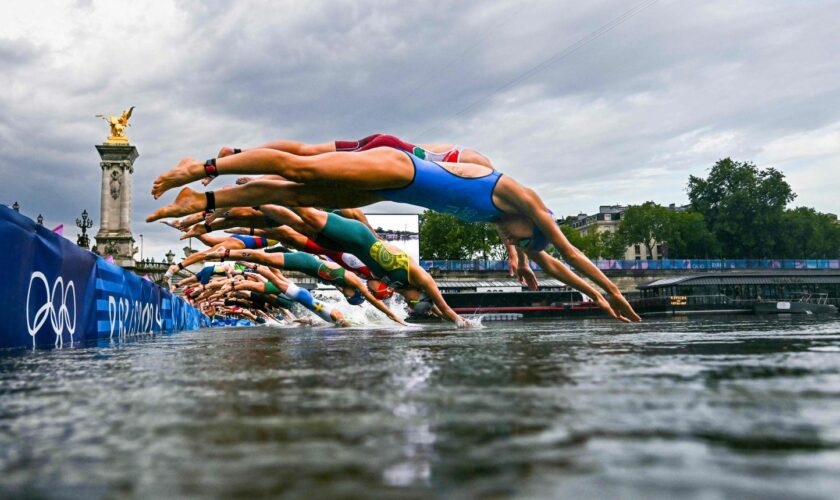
84, 223
40, 219
16, 207
141, 248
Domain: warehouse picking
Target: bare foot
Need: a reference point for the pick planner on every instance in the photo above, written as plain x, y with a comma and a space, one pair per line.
186, 171
187, 202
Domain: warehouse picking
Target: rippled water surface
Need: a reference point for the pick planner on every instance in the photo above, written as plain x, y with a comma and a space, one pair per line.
694, 408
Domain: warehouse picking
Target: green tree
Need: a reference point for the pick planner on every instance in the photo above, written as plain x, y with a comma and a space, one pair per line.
574, 237
808, 234
613, 247
743, 207
645, 224
595, 245
444, 236
688, 237
682, 235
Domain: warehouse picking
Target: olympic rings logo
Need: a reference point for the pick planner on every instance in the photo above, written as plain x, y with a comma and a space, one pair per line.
58, 317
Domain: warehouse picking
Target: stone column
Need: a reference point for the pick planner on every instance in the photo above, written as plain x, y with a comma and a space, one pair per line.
125, 199
114, 236
104, 215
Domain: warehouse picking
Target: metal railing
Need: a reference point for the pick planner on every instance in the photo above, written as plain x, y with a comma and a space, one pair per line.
648, 265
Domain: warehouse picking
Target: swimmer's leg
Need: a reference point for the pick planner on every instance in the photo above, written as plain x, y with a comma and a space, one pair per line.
380, 168
293, 147
322, 309
267, 192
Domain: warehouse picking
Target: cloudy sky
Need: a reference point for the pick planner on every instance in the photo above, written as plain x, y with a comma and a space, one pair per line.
588, 102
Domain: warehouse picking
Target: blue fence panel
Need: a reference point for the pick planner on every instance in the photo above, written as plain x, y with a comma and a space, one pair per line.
52, 291
649, 265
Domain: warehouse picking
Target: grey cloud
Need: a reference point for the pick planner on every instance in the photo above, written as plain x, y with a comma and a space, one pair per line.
629, 116
15, 52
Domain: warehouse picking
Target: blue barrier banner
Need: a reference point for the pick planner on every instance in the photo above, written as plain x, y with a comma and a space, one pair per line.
52, 291
647, 265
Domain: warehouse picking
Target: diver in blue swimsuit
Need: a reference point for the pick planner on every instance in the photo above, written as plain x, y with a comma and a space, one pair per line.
468, 198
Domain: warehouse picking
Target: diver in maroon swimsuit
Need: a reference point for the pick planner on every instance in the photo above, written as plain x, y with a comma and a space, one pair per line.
433, 152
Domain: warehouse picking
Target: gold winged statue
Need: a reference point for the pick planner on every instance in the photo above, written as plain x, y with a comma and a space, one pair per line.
118, 125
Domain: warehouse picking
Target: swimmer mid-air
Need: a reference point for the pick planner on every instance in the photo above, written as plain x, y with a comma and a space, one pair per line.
469, 191
518, 263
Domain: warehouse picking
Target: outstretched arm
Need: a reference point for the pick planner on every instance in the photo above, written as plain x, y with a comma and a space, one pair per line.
518, 264
530, 204
188, 280
556, 269
428, 285
360, 286
525, 273
196, 257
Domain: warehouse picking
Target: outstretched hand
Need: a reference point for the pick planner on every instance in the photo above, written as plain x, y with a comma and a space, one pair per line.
607, 308
528, 278
395, 319
623, 308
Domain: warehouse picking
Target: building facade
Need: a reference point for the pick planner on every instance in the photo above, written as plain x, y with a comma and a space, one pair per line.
608, 219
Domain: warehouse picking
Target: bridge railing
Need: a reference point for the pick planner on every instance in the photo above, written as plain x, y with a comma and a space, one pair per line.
652, 265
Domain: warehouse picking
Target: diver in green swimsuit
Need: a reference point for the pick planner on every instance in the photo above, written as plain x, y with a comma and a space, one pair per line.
385, 261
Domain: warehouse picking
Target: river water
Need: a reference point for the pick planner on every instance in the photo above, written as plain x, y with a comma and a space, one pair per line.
710, 407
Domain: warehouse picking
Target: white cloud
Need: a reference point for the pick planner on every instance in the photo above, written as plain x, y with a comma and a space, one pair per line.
799, 146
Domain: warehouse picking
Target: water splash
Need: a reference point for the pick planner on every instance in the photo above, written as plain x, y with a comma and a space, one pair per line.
475, 321
364, 315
